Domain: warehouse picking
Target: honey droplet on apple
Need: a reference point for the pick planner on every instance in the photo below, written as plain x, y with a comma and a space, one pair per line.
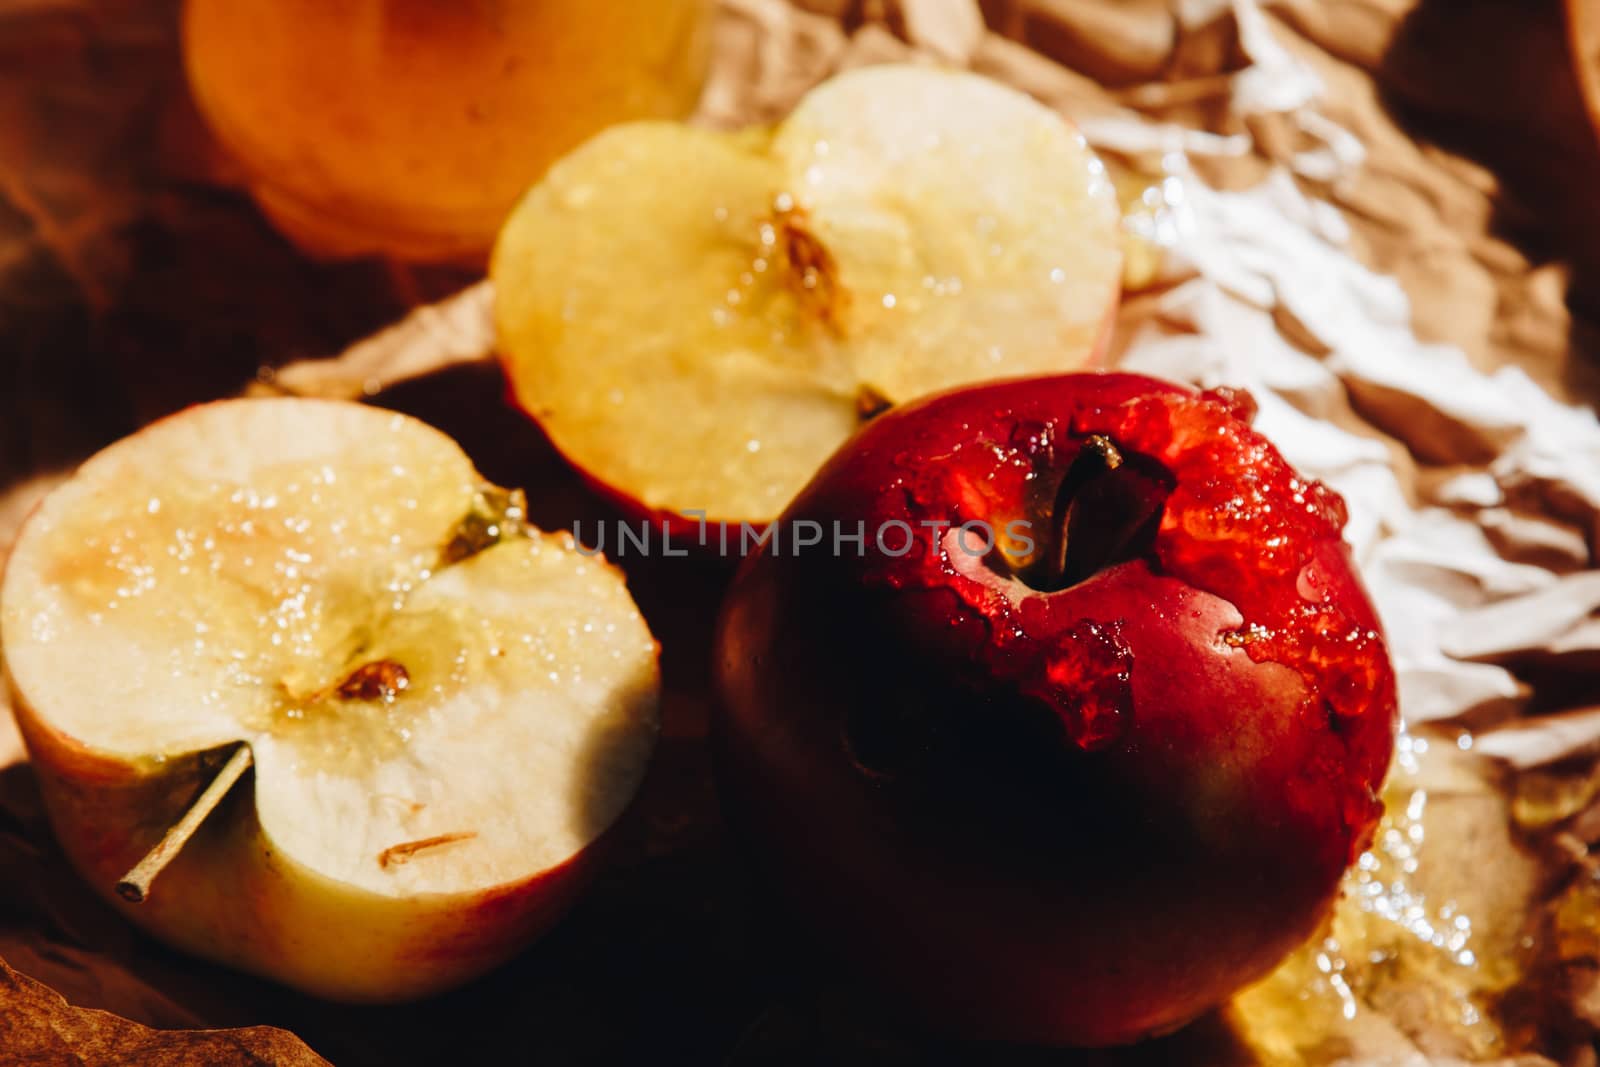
1086, 679
1242, 525
1239, 402
1310, 583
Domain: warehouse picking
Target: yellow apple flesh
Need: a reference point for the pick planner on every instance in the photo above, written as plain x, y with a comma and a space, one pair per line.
445, 708
698, 319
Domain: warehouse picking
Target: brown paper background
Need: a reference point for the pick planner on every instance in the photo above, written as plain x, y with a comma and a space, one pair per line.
133, 281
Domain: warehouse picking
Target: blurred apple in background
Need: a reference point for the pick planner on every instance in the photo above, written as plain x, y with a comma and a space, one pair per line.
698, 319
410, 127
1583, 37
1079, 772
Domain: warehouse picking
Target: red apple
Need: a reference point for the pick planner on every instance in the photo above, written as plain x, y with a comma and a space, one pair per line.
1072, 791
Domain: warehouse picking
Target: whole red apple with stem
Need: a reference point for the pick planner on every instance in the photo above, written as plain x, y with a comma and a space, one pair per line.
1079, 771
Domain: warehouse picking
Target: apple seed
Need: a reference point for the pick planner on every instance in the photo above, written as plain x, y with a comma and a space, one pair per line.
813, 272
382, 679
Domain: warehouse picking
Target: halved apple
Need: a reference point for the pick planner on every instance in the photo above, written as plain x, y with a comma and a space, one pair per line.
445, 708
699, 319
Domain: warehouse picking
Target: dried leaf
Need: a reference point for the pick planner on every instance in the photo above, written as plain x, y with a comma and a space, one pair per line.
39, 1026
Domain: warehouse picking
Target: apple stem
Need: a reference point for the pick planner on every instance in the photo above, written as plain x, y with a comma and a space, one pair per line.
1103, 510
135, 885
1096, 458
870, 403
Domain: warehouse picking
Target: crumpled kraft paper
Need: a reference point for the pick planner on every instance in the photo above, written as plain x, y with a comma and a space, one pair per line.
1358, 279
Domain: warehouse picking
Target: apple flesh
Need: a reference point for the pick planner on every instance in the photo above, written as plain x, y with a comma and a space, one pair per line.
1073, 791
698, 319
445, 708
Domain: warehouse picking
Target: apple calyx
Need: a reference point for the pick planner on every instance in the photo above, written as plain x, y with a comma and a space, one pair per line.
496, 515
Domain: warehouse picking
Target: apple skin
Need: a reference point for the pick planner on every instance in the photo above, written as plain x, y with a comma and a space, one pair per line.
1088, 857
229, 897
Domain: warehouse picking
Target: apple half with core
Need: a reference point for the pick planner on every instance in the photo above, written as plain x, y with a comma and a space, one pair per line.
444, 708
698, 319
1069, 722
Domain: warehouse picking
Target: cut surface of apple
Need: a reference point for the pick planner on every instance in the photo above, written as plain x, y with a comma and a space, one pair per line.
443, 705
699, 319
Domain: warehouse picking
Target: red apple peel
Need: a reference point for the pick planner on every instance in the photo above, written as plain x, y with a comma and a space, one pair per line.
1076, 791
